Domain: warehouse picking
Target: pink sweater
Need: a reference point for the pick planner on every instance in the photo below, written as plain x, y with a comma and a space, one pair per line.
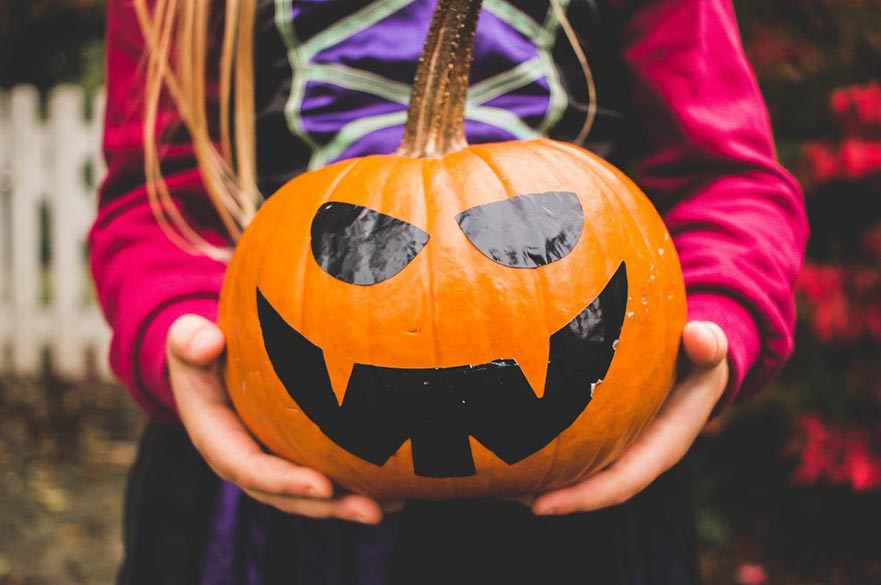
737, 218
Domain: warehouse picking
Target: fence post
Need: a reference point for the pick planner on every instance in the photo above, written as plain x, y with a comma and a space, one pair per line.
68, 220
44, 163
5, 179
99, 331
28, 167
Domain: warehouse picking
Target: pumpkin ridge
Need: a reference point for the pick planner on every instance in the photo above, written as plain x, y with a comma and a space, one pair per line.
480, 152
541, 483
427, 175
304, 274
595, 170
388, 166
551, 166
547, 481
577, 156
550, 323
539, 282
287, 207
488, 334
609, 190
292, 200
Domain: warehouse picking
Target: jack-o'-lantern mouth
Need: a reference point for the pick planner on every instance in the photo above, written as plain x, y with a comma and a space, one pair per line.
439, 408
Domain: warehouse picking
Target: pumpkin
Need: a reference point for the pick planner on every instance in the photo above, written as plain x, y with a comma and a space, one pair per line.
452, 320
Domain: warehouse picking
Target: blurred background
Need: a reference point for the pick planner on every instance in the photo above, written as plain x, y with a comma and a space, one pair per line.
790, 480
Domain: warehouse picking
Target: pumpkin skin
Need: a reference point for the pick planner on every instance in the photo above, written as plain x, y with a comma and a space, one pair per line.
453, 306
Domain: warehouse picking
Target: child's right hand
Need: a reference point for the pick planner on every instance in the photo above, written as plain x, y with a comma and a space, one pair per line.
194, 347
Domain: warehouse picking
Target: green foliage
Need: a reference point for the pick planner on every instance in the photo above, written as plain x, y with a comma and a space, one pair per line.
47, 42
803, 50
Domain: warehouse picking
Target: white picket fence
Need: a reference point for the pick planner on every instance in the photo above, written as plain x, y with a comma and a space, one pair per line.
49, 169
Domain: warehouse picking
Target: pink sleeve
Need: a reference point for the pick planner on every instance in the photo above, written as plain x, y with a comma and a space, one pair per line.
736, 216
143, 280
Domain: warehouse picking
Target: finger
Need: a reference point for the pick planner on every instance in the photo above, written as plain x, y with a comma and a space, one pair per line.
705, 343
663, 443
349, 507
219, 435
234, 456
195, 340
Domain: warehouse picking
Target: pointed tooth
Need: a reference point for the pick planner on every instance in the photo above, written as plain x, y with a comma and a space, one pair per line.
339, 369
534, 366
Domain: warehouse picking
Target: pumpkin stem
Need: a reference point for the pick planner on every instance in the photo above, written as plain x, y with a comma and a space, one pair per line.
436, 114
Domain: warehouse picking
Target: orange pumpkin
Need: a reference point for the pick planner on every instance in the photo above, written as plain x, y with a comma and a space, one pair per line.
453, 320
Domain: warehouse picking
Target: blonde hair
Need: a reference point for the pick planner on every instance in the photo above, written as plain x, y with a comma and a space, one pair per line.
229, 173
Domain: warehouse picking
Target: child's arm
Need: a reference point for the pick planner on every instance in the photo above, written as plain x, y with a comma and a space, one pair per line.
737, 220
143, 280
161, 301
736, 216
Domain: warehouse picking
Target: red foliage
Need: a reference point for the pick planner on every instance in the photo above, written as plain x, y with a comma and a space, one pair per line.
858, 155
748, 574
842, 303
828, 306
858, 109
820, 163
838, 456
852, 159
859, 158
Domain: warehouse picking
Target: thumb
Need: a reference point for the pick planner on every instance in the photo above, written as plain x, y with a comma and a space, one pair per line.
195, 340
705, 343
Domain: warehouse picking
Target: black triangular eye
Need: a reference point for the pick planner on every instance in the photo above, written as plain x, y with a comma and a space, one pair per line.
526, 231
361, 246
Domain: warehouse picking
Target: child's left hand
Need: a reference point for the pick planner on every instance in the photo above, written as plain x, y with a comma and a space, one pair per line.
666, 440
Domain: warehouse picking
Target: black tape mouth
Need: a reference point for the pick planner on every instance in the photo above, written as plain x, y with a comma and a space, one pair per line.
438, 409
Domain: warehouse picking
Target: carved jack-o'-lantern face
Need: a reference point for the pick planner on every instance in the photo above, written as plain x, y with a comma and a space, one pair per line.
454, 326
453, 320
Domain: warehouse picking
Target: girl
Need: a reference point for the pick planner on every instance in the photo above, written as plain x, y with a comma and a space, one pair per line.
210, 106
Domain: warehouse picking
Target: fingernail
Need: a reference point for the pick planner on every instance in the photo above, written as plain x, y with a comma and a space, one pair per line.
358, 517
203, 339
549, 511
200, 341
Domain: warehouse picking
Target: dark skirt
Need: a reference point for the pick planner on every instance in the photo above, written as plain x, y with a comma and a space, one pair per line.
171, 536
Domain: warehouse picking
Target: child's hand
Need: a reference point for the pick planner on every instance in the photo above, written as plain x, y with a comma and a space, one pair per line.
194, 346
666, 440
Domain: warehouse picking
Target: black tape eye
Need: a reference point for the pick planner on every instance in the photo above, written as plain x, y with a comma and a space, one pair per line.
526, 231
361, 246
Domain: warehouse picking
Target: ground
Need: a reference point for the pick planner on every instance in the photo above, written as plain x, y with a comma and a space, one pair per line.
65, 451
64, 454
